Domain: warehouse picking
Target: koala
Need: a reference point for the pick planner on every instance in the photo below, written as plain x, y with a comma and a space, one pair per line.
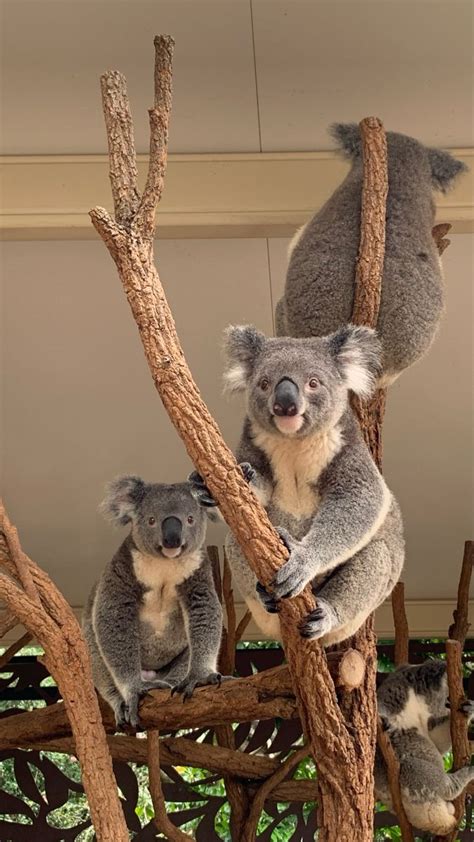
319, 289
412, 702
304, 455
153, 620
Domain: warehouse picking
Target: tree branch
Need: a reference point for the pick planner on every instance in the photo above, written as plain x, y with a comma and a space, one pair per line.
393, 775
163, 822
460, 626
402, 636
439, 236
122, 157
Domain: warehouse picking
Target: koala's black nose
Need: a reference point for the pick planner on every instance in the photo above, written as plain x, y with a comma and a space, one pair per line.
171, 531
286, 398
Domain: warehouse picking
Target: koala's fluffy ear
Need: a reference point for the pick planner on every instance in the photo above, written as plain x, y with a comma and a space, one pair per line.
358, 355
122, 497
347, 136
444, 169
242, 345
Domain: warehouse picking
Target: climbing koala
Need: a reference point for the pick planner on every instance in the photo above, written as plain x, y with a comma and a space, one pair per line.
153, 619
412, 702
309, 466
319, 290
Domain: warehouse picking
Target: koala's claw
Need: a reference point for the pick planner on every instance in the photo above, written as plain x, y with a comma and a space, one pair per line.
318, 622
269, 602
467, 707
248, 471
201, 489
188, 685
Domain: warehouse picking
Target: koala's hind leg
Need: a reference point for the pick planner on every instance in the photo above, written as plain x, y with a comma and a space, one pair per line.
103, 680
176, 670
456, 782
352, 592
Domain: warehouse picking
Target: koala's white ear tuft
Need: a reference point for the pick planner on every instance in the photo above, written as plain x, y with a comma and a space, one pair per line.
242, 345
122, 497
358, 355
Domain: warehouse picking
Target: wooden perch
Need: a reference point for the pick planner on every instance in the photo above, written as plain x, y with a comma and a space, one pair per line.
31, 595
163, 822
393, 775
342, 774
439, 236
402, 635
460, 627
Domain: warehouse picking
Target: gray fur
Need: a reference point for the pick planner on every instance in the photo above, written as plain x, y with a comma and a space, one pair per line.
317, 481
319, 289
153, 619
413, 704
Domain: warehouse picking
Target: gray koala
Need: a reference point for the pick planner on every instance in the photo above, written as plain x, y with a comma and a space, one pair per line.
319, 289
311, 469
153, 619
412, 702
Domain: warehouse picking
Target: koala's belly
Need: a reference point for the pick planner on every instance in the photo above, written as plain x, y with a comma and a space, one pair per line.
296, 526
162, 630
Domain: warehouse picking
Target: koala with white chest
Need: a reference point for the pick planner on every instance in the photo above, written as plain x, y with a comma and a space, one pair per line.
314, 474
412, 702
154, 619
319, 289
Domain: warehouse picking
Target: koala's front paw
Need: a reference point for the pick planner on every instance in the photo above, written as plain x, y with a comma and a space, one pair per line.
201, 490
269, 602
319, 622
467, 708
188, 685
294, 574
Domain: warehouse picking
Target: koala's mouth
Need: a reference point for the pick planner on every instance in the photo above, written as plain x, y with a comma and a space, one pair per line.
288, 424
172, 552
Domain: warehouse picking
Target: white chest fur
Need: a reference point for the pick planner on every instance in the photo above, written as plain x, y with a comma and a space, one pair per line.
161, 577
297, 464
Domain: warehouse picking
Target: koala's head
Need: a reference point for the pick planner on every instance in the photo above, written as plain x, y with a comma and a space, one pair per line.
405, 155
167, 521
300, 386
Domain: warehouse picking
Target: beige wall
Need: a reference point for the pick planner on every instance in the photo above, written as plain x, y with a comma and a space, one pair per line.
80, 407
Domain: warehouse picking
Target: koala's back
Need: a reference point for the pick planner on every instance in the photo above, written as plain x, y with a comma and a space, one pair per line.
421, 767
319, 291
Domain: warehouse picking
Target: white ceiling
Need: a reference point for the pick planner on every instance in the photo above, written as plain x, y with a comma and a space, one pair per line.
265, 74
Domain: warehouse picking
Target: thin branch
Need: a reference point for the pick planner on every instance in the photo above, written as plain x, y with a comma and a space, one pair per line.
460, 627
402, 635
163, 823
122, 156
159, 121
228, 596
17, 556
9, 653
393, 775
459, 725
258, 803
245, 620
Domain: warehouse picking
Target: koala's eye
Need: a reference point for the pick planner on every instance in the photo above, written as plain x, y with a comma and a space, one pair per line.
190, 519
264, 384
313, 383
151, 521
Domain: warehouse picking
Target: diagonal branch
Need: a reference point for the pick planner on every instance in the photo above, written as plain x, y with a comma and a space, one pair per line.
460, 627
162, 820
402, 637
159, 121
122, 157
393, 775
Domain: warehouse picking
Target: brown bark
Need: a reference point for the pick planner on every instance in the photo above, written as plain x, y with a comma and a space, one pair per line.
249, 831
34, 599
347, 806
9, 653
460, 626
163, 822
8, 621
402, 636
393, 774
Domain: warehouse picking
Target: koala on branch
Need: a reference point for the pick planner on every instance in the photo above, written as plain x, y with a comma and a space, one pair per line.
154, 620
302, 451
320, 281
413, 703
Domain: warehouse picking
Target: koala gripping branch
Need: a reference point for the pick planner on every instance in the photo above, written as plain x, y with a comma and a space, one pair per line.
346, 806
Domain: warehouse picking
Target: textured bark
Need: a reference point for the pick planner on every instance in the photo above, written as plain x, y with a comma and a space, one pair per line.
439, 236
347, 806
402, 635
393, 774
34, 599
249, 832
460, 626
162, 821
